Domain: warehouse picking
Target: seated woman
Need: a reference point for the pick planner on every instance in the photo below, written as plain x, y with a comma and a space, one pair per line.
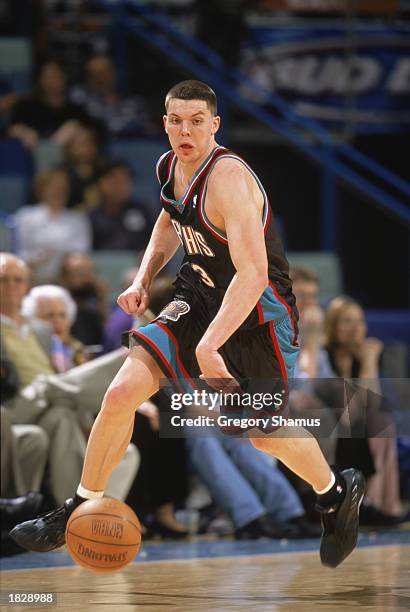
354, 356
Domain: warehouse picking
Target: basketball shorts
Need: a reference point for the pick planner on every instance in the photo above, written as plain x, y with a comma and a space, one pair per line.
263, 353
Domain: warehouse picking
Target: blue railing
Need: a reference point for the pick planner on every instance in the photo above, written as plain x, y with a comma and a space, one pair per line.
338, 160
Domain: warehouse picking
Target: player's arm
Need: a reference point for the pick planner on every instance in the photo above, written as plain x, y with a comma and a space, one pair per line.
239, 204
162, 246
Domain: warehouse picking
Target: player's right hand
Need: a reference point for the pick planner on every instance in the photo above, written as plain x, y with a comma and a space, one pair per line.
134, 300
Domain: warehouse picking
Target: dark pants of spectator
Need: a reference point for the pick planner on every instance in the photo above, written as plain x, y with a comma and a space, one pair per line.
162, 476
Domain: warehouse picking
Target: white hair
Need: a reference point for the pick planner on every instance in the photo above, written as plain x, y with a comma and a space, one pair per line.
30, 302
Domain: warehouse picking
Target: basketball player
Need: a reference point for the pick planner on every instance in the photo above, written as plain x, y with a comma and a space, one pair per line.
233, 317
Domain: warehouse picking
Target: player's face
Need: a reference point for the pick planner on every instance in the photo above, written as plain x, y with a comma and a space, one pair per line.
191, 128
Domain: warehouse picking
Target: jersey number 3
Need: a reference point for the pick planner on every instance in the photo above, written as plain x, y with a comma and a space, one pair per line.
204, 275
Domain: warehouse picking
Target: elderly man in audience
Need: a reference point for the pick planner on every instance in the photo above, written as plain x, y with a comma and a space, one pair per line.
55, 402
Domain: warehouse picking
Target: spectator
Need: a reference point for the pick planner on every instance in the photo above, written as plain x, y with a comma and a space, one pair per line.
56, 403
48, 230
46, 113
81, 163
118, 222
24, 450
253, 492
89, 292
353, 355
99, 96
55, 306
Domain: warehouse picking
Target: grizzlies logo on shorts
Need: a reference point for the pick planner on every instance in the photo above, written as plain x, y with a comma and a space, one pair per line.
174, 310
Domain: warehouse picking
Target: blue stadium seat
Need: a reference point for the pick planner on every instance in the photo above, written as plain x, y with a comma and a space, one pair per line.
15, 173
47, 154
142, 156
327, 266
16, 63
111, 267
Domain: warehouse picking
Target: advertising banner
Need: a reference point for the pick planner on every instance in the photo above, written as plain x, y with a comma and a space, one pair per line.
339, 74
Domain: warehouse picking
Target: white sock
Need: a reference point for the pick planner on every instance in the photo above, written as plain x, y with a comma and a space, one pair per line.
87, 494
329, 486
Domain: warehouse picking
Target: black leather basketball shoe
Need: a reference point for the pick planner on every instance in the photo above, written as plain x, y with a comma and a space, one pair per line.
340, 522
47, 531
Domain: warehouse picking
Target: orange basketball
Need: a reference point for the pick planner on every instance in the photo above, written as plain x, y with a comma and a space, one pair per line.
103, 535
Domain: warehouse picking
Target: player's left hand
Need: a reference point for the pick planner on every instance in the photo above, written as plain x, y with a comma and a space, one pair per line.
214, 370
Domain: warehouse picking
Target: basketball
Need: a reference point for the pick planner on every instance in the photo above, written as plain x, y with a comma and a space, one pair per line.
103, 535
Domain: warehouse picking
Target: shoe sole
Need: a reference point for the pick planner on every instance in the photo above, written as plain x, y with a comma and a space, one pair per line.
333, 556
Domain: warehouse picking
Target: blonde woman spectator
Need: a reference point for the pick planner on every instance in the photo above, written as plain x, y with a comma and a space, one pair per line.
354, 355
47, 230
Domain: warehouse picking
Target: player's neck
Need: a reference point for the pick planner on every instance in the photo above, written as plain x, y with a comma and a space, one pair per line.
188, 169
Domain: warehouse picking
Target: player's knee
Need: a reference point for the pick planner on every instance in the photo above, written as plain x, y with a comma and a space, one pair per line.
118, 398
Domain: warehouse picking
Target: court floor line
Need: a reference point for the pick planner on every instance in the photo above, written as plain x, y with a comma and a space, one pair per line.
204, 549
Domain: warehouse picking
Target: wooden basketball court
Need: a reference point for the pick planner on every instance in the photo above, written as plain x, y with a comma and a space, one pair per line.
373, 578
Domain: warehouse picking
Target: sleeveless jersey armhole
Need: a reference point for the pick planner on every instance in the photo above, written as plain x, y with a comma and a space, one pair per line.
214, 230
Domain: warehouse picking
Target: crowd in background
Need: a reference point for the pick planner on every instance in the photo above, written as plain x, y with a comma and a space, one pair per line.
61, 346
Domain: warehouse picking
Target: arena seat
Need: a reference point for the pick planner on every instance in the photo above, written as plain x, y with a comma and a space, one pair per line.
15, 172
47, 154
142, 156
16, 63
393, 328
111, 266
327, 266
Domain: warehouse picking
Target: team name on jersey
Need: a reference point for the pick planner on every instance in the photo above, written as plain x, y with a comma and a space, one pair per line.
192, 240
